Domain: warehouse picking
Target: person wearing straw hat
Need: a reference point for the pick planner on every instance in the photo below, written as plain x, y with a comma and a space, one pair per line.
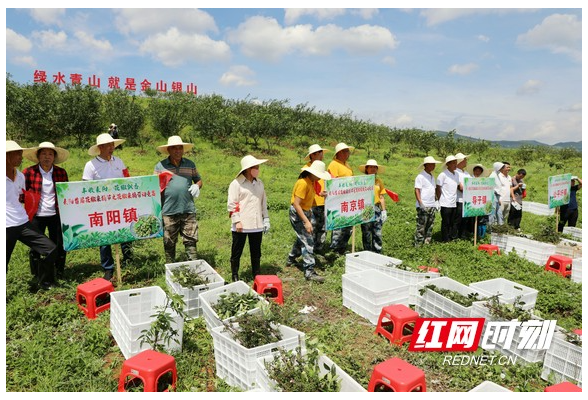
316, 152
178, 210
447, 187
247, 206
18, 226
339, 168
426, 201
465, 225
105, 165
371, 232
41, 179
300, 215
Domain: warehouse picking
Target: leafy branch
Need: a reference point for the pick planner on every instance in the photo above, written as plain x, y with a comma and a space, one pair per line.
161, 332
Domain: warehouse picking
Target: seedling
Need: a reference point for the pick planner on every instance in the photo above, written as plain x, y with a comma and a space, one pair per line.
187, 277
161, 331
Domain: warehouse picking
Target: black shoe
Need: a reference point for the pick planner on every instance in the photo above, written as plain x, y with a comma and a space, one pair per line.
108, 274
235, 278
313, 276
47, 285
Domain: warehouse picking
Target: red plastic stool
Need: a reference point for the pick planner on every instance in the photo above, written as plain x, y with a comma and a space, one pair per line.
93, 297
489, 248
560, 265
428, 269
150, 368
396, 323
563, 387
269, 285
396, 375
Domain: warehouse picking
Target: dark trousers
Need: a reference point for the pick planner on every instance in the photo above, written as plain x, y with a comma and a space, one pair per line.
514, 217
106, 259
567, 216
53, 225
237, 246
448, 223
40, 243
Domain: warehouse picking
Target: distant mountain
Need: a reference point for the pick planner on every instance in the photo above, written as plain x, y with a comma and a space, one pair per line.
510, 144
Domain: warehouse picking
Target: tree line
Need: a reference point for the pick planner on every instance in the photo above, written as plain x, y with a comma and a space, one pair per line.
75, 114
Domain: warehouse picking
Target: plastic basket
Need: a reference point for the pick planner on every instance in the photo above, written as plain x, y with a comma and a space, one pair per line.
508, 291
237, 365
364, 260
130, 314
532, 250
433, 305
563, 361
192, 295
573, 231
209, 298
489, 386
577, 270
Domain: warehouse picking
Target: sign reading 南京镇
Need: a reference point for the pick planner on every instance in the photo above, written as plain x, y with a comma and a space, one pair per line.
109, 211
478, 196
349, 201
558, 190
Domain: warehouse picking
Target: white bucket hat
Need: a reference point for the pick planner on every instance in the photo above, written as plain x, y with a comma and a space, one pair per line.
485, 171
174, 141
113, 125
450, 158
497, 166
313, 149
318, 169
342, 146
428, 160
60, 154
372, 163
11, 145
249, 161
104, 138
460, 157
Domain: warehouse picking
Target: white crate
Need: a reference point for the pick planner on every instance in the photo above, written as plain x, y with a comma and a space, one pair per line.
569, 248
508, 291
130, 313
366, 292
499, 240
573, 231
364, 260
489, 386
577, 270
237, 365
433, 305
192, 295
563, 361
523, 355
532, 250
348, 384
209, 298
537, 208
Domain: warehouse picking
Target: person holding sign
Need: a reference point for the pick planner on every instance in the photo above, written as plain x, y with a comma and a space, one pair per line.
105, 165
339, 168
178, 210
300, 216
40, 179
18, 226
371, 232
316, 152
247, 206
426, 201
569, 212
447, 187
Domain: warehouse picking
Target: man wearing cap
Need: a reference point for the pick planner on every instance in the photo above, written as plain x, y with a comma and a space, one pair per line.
300, 215
178, 210
569, 212
339, 168
447, 188
247, 206
18, 226
41, 179
105, 165
465, 225
316, 152
426, 201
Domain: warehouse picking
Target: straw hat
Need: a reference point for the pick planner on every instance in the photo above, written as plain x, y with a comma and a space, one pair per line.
450, 158
174, 141
342, 146
318, 169
249, 161
372, 163
11, 145
460, 157
485, 171
104, 138
60, 154
313, 149
428, 160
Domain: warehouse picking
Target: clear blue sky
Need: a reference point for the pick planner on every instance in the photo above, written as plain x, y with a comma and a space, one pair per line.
496, 74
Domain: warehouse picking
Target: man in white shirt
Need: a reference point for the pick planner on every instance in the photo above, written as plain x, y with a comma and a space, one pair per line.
502, 193
18, 226
426, 204
447, 188
465, 225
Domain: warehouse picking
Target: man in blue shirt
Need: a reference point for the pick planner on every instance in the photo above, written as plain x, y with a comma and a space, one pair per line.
569, 212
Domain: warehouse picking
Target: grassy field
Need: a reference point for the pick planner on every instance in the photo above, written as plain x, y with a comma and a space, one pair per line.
51, 346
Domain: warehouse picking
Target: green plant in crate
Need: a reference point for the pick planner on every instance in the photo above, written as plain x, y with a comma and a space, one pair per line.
254, 330
187, 277
294, 372
232, 304
457, 297
161, 332
508, 312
